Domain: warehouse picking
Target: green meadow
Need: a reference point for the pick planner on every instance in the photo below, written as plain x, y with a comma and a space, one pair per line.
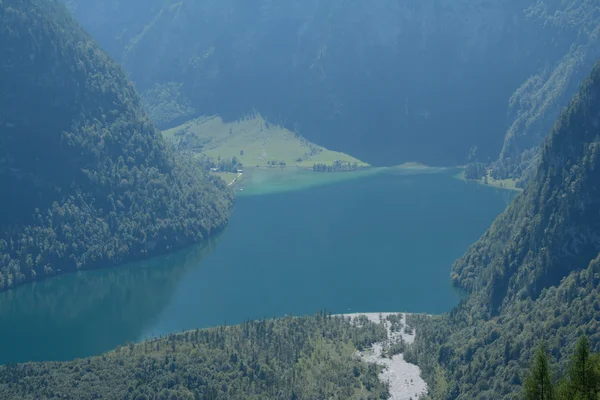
253, 141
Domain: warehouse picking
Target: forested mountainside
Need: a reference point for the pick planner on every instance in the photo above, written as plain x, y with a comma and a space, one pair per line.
291, 358
536, 104
385, 81
88, 180
535, 274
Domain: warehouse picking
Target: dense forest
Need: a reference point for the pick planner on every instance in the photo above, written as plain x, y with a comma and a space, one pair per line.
534, 275
92, 182
290, 358
385, 81
581, 381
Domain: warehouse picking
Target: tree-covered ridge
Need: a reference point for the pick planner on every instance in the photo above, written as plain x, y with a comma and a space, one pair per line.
92, 182
465, 355
290, 358
535, 275
553, 227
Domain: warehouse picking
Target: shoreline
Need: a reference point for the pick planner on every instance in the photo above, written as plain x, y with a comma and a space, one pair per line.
404, 379
506, 184
266, 180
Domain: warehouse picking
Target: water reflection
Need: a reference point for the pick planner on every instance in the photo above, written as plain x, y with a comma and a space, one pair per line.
75, 315
383, 242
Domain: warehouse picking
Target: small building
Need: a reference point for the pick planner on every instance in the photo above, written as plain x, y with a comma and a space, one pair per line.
240, 171
214, 169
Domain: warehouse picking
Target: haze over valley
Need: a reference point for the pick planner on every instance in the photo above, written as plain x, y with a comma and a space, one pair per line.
256, 199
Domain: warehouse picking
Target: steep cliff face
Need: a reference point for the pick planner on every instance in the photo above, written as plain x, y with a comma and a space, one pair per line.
386, 81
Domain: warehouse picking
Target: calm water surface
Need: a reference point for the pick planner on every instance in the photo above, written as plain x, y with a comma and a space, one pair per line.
383, 241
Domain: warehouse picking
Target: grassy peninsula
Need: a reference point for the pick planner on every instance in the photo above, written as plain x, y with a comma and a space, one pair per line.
254, 142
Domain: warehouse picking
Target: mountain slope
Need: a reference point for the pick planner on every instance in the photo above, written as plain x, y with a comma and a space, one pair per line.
92, 182
573, 29
553, 227
533, 275
384, 81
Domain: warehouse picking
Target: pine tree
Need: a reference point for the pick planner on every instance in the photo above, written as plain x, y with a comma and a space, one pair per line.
583, 377
538, 384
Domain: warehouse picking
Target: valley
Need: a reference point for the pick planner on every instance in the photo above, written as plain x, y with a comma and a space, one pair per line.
211, 199
255, 144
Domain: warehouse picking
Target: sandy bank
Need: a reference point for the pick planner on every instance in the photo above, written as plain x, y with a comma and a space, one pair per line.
404, 378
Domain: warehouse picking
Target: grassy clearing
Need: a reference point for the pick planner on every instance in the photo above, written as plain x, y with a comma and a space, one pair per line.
253, 141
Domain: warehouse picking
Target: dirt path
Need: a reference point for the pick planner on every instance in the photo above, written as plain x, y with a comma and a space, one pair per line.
263, 155
235, 179
404, 378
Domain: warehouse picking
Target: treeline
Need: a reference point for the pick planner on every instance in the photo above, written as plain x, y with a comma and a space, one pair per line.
581, 381
521, 168
337, 166
476, 170
289, 358
89, 181
274, 164
220, 164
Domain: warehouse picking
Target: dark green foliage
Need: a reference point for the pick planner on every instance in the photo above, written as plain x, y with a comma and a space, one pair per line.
539, 384
167, 104
475, 170
583, 376
92, 183
291, 358
490, 356
337, 166
521, 167
219, 164
581, 373
526, 277
582, 381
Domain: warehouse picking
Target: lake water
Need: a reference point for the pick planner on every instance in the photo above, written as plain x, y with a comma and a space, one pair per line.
382, 241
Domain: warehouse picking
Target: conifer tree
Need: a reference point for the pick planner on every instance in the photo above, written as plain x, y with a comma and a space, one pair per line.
538, 384
583, 376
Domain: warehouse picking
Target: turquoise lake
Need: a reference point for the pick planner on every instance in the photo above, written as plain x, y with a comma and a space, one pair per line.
295, 244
